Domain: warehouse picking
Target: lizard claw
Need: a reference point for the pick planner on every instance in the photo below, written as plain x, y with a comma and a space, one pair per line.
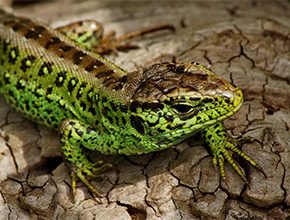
87, 172
223, 146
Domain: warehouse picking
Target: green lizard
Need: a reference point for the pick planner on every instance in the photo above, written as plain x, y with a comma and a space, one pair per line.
95, 105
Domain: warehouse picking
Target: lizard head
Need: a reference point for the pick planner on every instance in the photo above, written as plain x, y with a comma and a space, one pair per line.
176, 101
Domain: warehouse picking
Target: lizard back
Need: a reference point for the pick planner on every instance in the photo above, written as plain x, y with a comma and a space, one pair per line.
48, 77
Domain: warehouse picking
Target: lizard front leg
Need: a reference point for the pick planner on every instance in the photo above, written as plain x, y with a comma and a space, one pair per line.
222, 146
74, 137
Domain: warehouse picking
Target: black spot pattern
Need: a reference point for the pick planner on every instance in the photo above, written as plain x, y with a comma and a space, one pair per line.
49, 90
20, 84
45, 67
13, 55
80, 90
61, 76
72, 84
24, 63
92, 111
6, 43
83, 105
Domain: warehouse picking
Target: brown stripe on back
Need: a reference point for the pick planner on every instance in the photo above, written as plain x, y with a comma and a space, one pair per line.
65, 48
52, 42
8, 22
59, 45
78, 57
35, 32
109, 81
40, 34
17, 26
120, 82
105, 73
93, 65
9, 19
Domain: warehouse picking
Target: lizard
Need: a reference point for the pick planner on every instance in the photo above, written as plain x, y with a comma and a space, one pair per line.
53, 79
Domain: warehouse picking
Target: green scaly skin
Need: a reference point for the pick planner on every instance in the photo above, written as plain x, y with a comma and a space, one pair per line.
95, 105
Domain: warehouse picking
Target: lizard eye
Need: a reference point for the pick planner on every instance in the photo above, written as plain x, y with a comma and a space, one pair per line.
182, 108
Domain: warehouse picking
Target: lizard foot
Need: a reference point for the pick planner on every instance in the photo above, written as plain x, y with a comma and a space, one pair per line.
223, 146
87, 172
225, 150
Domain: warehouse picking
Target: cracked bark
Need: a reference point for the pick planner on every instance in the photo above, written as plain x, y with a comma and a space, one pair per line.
246, 43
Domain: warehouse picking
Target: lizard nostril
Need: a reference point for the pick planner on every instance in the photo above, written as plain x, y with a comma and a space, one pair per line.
228, 101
